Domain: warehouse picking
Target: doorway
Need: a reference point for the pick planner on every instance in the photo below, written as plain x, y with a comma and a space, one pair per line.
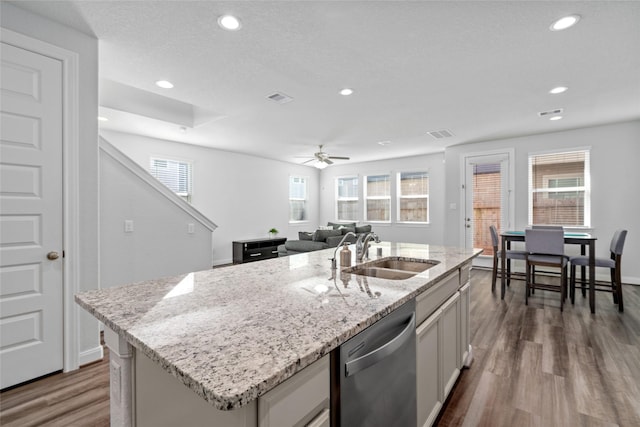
488, 187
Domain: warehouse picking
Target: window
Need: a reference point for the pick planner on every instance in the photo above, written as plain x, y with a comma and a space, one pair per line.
347, 200
559, 188
413, 197
297, 199
174, 174
378, 198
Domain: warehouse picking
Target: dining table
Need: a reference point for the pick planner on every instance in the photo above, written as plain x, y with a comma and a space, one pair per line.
585, 240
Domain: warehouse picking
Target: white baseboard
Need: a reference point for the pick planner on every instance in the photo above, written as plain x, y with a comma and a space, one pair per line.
91, 355
518, 267
222, 262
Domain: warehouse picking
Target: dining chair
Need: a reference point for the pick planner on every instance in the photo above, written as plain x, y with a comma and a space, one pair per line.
613, 264
545, 248
497, 255
548, 227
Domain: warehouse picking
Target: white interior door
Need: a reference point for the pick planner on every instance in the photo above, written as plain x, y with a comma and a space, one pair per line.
487, 198
31, 216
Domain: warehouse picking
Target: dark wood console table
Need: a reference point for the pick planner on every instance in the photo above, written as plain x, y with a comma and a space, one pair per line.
256, 249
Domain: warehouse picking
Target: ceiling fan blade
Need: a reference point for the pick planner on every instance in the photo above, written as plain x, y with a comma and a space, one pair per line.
338, 158
327, 161
308, 161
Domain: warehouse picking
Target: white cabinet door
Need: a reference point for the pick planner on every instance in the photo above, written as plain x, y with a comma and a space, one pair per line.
450, 339
465, 333
428, 360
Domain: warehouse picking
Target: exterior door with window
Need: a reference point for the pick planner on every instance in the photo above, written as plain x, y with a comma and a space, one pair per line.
31, 216
487, 198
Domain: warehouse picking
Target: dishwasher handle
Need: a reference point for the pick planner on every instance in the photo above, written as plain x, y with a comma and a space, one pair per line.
375, 356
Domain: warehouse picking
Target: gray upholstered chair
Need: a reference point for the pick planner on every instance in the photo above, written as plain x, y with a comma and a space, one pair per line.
497, 255
613, 264
545, 248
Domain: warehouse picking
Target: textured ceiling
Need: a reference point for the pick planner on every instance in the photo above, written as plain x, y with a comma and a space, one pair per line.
479, 69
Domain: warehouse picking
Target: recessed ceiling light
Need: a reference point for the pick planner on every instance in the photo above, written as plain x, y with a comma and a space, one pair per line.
102, 119
559, 89
229, 22
383, 143
565, 22
554, 118
346, 91
164, 84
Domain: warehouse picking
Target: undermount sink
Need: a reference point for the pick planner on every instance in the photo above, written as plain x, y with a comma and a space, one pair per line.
417, 266
383, 273
392, 268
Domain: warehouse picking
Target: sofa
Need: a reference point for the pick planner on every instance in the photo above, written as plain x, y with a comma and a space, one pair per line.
326, 237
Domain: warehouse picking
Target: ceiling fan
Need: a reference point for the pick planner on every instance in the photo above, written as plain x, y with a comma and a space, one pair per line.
323, 157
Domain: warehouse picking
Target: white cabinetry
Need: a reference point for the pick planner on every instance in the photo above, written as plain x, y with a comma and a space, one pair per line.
465, 332
428, 360
442, 342
161, 400
449, 340
302, 400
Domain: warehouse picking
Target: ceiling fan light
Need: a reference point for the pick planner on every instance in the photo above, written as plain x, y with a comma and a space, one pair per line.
320, 165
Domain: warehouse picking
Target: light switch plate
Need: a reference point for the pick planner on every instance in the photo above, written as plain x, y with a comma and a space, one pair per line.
128, 226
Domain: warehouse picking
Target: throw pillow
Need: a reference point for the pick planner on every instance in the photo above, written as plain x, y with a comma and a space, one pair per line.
325, 227
363, 229
321, 235
305, 235
336, 225
345, 230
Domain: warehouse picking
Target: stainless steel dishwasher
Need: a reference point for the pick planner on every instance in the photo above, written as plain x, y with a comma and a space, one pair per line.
377, 373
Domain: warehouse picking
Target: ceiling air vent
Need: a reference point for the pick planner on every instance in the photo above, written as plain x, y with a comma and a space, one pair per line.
280, 98
439, 134
550, 112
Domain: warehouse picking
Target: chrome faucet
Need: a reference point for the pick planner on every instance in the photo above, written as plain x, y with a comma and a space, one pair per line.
333, 260
362, 245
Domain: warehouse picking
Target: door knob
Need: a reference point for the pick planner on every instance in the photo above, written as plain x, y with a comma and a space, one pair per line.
53, 255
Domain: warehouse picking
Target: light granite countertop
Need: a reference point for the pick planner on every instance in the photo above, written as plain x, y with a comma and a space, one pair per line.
233, 333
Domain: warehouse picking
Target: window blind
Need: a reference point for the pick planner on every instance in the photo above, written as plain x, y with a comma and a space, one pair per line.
297, 198
176, 175
413, 197
559, 188
347, 198
378, 198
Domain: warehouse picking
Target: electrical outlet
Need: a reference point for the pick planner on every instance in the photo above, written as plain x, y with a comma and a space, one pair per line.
128, 226
191, 228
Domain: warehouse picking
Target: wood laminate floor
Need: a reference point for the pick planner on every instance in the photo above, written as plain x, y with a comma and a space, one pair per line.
533, 366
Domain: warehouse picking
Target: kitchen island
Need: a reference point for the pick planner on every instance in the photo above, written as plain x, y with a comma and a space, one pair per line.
234, 336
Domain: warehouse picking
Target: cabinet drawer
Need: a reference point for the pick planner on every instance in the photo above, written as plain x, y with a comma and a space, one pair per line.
252, 254
302, 399
428, 301
465, 273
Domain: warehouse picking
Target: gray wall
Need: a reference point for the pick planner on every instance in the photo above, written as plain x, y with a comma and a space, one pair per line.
160, 244
412, 233
615, 176
244, 195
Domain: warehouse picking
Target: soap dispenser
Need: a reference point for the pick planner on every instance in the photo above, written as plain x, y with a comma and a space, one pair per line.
345, 256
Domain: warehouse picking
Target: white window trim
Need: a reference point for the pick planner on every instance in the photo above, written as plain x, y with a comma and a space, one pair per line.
399, 196
366, 198
306, 199
345, 199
